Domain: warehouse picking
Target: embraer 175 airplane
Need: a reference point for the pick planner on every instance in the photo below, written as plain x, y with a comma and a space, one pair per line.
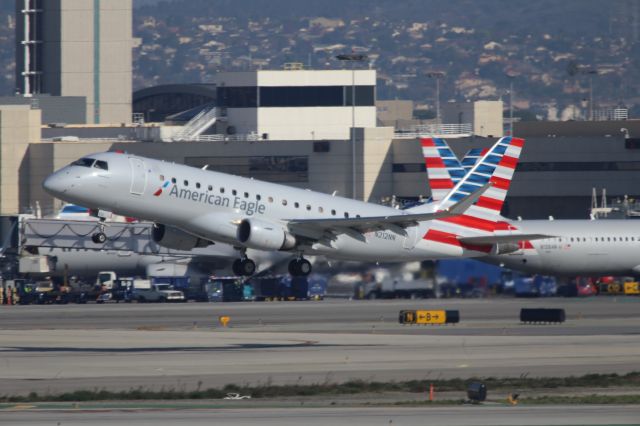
577, 248
198, 206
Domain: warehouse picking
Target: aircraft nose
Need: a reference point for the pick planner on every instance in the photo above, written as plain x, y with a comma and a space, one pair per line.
54, 184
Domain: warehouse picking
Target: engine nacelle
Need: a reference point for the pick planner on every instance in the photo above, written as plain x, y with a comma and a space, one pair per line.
176, 239
261, 235
505, 248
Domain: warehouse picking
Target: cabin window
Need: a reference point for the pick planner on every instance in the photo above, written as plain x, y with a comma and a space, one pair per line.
333, 212
571, 239
608, 238
296, 204
308, 207
258, 197
246, 195
270, 199
346, 215
186, 183
173, 180
234, 192
284, 202
320, 209
198, 185
210, 188
221, 190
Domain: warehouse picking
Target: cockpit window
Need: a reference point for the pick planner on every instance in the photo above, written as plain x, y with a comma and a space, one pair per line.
83, 162
101, 165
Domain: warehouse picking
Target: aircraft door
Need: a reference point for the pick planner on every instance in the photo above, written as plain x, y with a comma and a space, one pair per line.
410, 238
138, 176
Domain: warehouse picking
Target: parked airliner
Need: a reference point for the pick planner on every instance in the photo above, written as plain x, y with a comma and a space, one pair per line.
200, 205
577, 248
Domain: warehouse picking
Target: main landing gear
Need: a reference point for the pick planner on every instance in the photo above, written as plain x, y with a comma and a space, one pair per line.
299, 267
99, 237
244, 267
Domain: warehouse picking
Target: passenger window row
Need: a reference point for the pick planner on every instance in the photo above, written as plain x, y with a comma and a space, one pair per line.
270, 199
599, 239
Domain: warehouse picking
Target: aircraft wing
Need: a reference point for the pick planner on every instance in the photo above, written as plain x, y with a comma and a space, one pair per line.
495, 239
315, 227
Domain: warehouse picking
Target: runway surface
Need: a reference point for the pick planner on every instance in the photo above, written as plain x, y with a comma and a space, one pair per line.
51, 349
406, 416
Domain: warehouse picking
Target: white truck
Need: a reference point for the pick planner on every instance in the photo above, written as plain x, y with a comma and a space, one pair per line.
144, 291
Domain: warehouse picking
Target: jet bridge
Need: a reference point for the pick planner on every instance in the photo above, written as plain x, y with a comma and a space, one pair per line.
132, 237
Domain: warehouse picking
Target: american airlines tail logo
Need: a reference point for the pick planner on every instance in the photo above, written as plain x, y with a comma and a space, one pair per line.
159, 191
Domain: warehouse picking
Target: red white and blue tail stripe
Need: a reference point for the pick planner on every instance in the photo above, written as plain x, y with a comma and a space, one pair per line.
496, 166
483, 218
471, 158
444, 170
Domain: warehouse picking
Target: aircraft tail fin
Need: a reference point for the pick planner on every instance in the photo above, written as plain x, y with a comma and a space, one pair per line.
494, 168
444, 170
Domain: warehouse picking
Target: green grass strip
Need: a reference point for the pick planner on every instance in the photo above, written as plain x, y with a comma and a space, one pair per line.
347, 388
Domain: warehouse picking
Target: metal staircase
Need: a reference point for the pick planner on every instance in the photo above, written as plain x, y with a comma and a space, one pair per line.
197, 125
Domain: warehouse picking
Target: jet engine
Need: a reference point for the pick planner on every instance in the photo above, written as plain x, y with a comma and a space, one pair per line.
261, 235
505, 248
173, 238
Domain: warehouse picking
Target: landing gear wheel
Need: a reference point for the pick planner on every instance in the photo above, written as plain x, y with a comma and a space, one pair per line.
99, 238
244, 267
299, 267
236, 267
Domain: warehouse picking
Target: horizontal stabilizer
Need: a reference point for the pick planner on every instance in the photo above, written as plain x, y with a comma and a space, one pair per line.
496, 239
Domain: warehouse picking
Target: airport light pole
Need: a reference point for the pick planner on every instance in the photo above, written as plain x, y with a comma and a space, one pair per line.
437, 75
511, 77
353, 58
591, 73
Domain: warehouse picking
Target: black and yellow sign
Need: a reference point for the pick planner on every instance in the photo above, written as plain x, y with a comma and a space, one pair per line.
429, 317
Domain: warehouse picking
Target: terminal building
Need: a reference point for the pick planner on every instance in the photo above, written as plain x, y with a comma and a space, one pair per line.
316, 129
76, 48
561, 162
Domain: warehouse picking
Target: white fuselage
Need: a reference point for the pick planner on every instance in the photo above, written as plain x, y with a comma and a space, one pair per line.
211, 204
581, 247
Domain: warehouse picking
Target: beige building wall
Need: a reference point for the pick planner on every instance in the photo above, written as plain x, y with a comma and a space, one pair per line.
488, 119
84, 60
394, 112
374, 163
19, 128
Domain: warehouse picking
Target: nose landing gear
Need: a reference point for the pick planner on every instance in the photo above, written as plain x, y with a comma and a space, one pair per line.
299, 267
100, 237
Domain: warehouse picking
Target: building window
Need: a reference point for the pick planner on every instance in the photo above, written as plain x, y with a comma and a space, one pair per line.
408, 168
237, 97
